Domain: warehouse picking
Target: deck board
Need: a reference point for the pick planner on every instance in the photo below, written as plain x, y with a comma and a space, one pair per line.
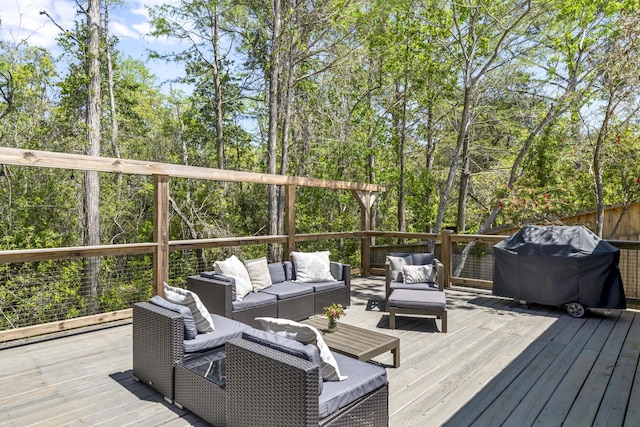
499, 364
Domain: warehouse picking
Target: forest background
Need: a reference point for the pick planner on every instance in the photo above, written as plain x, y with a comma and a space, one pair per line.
474, 114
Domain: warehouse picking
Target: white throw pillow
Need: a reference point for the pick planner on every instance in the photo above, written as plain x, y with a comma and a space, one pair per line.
233, 267
418, 274
259, 276
308, 335
396, 263
204, 322
312, 266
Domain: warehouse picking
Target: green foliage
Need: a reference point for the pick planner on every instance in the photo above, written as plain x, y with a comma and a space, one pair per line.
364, 77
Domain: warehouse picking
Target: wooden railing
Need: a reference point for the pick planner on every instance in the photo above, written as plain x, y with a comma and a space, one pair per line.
446, 244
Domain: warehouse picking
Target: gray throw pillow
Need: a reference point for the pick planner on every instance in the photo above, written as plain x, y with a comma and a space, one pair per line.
190, 331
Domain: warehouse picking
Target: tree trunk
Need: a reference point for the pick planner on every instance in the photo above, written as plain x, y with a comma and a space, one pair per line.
286, 127
112, 98
218, 85
91, 181
597, 167
463, 129
274, 253
464, 187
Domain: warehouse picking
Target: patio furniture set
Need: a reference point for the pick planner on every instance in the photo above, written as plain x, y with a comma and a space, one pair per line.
270, 371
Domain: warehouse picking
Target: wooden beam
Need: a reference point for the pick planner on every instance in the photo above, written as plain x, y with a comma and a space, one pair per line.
47, 254
16, 156
161, 233
63, 325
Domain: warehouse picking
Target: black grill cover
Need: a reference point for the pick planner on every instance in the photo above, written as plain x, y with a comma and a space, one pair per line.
557, 265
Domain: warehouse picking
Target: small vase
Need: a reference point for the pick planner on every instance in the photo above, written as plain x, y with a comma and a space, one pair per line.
333, 325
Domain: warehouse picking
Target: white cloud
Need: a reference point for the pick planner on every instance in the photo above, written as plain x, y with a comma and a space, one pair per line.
21, 20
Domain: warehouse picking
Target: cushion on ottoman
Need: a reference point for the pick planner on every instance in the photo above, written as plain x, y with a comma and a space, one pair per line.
411, 298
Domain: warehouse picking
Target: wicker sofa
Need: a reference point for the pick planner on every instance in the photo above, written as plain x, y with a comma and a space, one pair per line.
285, 298
252, 369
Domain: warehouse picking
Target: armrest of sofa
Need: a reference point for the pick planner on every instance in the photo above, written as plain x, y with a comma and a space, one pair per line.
158, 344
216, 295
267, 387
341, 272
439, 274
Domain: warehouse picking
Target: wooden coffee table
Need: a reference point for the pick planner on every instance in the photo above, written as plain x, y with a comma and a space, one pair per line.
359, 343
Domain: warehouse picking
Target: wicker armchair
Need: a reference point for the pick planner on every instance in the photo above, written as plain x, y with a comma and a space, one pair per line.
158, 345
269, 388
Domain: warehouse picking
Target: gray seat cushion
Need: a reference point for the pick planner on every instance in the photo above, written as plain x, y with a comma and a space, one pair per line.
225, 329
253, 300
325, 286
424, 286
411, 298
362, 378
285, 290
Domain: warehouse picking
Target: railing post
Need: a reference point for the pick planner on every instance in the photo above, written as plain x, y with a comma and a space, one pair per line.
365, 199
446, 255
161, 233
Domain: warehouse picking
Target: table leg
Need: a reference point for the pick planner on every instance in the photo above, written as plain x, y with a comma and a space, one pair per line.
396, 356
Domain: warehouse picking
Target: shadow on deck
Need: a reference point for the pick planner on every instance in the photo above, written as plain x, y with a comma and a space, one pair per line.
499, 364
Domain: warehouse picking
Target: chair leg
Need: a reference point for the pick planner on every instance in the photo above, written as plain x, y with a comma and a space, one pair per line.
392, 319
444, 321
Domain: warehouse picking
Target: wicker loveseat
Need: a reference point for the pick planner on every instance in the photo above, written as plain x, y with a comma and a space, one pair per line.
284, 298
252, 370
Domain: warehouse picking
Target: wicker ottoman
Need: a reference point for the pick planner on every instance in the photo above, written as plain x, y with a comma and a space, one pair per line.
414, 301
200, 386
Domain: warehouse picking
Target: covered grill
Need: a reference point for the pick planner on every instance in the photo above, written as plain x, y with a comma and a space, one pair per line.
558, 265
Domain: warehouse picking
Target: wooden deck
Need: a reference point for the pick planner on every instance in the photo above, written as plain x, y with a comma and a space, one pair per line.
499, 364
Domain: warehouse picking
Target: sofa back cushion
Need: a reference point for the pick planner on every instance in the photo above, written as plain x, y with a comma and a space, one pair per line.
337, 270
306, 334
277, 272
308, 352
399, 259
202, 317
190, 331
289, 270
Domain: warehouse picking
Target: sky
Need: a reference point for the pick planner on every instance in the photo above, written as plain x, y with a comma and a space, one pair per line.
21, 20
